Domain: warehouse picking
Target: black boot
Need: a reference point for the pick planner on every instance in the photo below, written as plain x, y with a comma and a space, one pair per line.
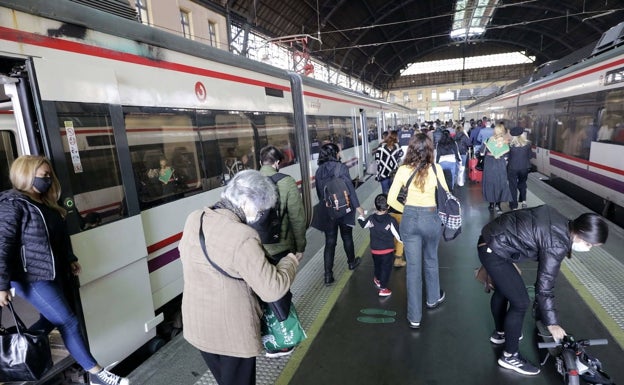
355, 263
329, 278
328, 259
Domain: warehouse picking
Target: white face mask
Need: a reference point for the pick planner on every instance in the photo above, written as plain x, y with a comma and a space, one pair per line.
581, 246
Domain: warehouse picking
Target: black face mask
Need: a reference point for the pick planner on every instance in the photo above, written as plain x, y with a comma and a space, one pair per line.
42, 184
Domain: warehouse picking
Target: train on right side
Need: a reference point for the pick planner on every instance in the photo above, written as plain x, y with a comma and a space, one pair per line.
572, 111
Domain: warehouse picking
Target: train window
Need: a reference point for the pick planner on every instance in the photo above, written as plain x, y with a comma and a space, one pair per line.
93, 166
8, 153
337, 130
234, 135
279, 131
371, 125
163, 149
612, 124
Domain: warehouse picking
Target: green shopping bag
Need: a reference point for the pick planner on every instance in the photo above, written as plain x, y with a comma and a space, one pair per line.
281, 335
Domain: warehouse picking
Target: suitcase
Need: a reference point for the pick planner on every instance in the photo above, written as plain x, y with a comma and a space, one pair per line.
473, 174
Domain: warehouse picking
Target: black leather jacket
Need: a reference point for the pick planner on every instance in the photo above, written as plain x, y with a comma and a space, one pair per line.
540, 234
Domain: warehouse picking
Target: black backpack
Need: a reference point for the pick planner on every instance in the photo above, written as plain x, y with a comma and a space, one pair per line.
269, 226
336, 196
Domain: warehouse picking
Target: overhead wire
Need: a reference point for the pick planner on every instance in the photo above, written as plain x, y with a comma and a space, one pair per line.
446, 34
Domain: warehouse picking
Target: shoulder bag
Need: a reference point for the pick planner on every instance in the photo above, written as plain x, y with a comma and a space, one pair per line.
24, 354
402, 195
449, 210
281, 307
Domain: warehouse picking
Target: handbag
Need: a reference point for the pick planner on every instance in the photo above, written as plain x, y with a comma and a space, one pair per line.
280, 308
371, 169
449, 210
278, 335
402, 195
24, 354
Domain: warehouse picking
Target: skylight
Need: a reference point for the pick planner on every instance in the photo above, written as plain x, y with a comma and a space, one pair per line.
471, 17
502, 59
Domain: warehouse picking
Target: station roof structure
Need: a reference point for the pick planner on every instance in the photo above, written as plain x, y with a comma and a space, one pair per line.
375, 40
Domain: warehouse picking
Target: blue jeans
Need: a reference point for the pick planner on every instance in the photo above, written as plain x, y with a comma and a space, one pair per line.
421, 229
385, 185
47, 297
452, 167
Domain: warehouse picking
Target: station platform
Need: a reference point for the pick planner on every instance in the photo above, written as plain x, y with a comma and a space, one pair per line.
357, 337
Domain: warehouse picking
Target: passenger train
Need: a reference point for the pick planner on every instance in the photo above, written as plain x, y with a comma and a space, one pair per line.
574, 117
109, 100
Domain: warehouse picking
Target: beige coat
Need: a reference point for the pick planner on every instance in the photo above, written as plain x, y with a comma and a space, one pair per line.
221, 315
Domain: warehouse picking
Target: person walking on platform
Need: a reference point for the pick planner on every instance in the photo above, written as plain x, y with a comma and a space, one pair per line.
384, 229
421, 227
293, 232
464, 144
447, 155
330, 167
539, 234
518, 165
225, 272
33, 224
495, 186
388, 156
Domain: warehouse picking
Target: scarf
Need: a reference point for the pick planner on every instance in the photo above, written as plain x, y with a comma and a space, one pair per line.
497, 148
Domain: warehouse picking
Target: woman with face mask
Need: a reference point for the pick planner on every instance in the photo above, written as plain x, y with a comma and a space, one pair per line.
36, 257
538, 234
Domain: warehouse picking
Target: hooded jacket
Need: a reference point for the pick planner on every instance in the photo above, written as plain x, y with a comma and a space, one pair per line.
25, 251
294, 222
539, 234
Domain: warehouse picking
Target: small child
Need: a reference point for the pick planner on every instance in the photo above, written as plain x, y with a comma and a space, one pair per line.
383, 230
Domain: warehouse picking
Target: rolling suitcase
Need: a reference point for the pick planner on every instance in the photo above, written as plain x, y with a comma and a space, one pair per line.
473, 174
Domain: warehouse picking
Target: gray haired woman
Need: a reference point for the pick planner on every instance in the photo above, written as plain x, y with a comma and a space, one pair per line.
220, 307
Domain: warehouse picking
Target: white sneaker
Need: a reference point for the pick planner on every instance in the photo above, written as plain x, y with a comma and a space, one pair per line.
104, 377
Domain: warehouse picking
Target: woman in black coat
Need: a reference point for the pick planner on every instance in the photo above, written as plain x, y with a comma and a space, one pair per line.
330, 166
36, 255
539, 234
518, 164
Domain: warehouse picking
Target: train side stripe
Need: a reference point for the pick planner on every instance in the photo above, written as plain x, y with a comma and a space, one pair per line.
164, 243
84, 49
602, 180
163, 260
588, 163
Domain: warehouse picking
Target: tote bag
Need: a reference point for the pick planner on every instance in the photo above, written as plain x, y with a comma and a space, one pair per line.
24, 354
278, 335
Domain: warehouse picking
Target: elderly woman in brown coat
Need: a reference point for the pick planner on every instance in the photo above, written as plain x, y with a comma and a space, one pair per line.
220, 307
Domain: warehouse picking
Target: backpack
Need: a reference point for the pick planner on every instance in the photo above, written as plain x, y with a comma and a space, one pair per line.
269, 226
336, 196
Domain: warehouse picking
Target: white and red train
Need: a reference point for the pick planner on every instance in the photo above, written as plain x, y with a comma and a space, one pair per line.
107, 98
574, 117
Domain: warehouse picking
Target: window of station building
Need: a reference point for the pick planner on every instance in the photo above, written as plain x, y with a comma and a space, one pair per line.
8, 153
93, 166
164, 153
142, 11
434, 95
185, 23
212, 33
419, 96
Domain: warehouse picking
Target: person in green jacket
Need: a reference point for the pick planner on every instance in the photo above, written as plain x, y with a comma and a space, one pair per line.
293, 232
